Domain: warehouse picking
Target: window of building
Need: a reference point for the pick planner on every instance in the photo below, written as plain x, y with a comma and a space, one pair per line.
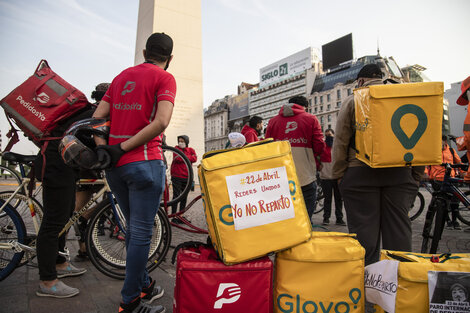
329, 126
321, 108
321, 120
349, 91
338, 104
315, 100
338, 94
321, 99
328, 107
328, 98
310, 102
329, 118
316, 109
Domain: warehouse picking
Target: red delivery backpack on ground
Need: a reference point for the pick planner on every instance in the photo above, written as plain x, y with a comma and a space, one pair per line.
40, 103
205, 284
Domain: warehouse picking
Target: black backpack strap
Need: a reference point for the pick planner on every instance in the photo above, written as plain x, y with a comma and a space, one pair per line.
187, 244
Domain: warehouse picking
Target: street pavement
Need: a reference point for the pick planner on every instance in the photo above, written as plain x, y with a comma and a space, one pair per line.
99, 293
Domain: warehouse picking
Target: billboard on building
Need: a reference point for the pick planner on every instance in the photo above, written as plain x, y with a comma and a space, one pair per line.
238, 107
285, 68
337, 51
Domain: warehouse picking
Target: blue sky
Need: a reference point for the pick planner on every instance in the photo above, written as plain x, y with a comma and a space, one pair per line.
88, 42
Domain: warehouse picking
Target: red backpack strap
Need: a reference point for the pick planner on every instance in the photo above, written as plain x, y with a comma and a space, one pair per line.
12, 134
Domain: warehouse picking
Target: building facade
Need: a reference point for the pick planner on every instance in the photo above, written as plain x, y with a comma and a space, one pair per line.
457, 113
216, 125
330, 89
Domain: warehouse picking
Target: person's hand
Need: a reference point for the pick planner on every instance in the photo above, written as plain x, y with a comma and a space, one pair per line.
109, 155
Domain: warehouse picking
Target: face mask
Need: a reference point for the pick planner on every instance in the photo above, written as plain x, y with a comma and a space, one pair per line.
329, 141
182, 145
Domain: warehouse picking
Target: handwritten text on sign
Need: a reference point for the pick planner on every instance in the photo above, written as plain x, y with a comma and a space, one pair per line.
259, 198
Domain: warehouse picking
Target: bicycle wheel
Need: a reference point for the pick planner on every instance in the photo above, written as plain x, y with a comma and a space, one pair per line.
319, 202
417, 207
11, 230
170, 155
464, 213
12, 175
106, 242
20, 202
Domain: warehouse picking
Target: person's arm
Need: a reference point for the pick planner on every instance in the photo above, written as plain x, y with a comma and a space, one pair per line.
102, 111
343, 134
191, 155
318, 142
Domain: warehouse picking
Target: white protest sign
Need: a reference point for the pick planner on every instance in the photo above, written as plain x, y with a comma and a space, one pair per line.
259, 198
381, 284
449, 292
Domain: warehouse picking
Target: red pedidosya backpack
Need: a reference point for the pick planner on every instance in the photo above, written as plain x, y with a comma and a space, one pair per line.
39, 104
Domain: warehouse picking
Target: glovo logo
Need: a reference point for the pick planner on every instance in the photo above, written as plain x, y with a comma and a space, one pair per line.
289, 304
226, 215
292, 189
409, 142
227, 293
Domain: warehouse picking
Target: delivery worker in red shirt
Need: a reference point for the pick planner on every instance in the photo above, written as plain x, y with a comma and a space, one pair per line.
179, 173
253, 129
139, 104
304, 133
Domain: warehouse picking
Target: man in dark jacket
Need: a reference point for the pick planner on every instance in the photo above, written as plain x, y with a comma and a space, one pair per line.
303, 131
252, 130
377, 200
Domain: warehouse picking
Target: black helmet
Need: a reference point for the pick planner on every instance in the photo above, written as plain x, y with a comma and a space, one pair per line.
77, 146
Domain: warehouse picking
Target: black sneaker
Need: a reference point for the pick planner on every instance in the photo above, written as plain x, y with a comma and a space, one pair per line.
326, 221
457, 226
137, 306
340, 223
151, 293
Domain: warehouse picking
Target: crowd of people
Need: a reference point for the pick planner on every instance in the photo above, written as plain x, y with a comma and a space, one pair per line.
376, 200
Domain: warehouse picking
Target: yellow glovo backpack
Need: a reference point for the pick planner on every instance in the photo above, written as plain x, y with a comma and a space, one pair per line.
325, 274
253, 201
399, 125
412, 294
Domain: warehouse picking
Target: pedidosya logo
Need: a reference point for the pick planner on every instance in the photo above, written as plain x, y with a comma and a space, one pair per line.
128, 87
287, 303
227, 293
28, 106
43, 98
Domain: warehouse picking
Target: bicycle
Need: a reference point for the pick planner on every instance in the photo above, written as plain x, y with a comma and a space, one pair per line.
439, 208
107, 252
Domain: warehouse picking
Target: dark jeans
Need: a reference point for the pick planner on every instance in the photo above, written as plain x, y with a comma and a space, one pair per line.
138, 187
330, 186
58, 204
310, 196
377, 201
178, 187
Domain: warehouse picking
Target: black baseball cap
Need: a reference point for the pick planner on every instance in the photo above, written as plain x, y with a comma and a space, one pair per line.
370, 71
159, 43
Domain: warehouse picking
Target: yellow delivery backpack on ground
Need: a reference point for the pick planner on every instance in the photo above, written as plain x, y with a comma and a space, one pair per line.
325, 274
412, 294
253, 201
399, 124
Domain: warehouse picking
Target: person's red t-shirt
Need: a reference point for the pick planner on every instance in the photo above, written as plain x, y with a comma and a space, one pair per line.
133, 97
